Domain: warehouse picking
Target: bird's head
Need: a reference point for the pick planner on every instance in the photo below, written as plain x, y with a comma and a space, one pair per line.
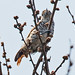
46, 15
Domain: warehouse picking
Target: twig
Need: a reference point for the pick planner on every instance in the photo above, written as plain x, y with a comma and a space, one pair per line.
38, 63
46, 62
20, 28
71, 14
0, 69
42, 68
35, 10
34, 16
53, 12
69, 57
6, 60
31, 60
47, 35
64, 58
43, 49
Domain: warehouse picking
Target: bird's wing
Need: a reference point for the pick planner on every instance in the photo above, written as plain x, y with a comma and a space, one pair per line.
33, 29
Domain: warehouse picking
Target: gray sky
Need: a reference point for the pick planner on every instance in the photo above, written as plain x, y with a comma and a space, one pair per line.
64, 30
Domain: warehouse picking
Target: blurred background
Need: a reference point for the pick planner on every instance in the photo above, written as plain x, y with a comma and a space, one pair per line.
64, 30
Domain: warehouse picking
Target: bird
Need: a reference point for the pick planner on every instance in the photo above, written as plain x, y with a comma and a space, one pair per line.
32, 40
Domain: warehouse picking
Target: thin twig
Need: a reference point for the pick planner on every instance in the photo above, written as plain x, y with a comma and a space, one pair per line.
31, 60
64, 58
18, 27
46, 62
42, 68
38, 63
6, 60
69, 57
34, 15
59, 66
52, 15
71, 14
0, 69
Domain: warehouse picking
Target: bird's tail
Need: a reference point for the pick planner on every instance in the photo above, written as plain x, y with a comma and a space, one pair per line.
20, 54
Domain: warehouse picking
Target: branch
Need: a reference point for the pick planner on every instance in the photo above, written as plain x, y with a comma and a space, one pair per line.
6, 60
69, 57
51, 19
38, 63
20, 28
71, 14
42, 68
35, 13
32, 4
53, 12
0, 69
64, 58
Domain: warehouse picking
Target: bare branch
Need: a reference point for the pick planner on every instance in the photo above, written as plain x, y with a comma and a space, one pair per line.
53, 12
6, 60
71, 14
20, 28
64, 58
69, 57
0, 69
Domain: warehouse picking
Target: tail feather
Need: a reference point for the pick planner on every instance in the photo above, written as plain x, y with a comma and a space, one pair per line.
19, 60
20, 54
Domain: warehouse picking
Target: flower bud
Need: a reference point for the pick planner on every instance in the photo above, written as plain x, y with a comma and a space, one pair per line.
8, 60
16, 17
4, 64
24, 24
37, 12
48, 39
71, 46
2, 43
9, 66
57, 9
65, 57
52, 1
67, 6
15, 26
29, 6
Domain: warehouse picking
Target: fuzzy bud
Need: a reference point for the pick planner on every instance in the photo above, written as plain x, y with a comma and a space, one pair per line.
9, 66
65, 57
52, 1
4, 55
48, 39
2, 43
57, 9
37, 12
24, 24
71, 46
53, 73
8, 60
4, 64
29, 6
15, 26
16, 17
67, 6
47, 48
73, 22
